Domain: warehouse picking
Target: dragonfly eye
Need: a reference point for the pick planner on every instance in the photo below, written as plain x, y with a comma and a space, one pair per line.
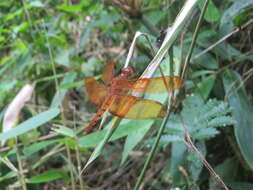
128, 71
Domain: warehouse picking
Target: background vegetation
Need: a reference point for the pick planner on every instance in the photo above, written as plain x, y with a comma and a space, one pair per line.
54, 45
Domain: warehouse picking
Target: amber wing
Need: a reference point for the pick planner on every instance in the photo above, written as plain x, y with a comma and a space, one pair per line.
152, 85
131, 107
96, 91
108, 71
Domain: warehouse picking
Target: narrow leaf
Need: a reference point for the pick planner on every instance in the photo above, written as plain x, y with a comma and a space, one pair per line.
28, 151
59, 95
31, 123
134, 138
47, 176
242, 111
100, 146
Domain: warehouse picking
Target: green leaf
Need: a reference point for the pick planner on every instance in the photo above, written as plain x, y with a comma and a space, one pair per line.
135, 137
71, 85
240, 185
93, 139
205, 87
155, 16
59, 96
205, 133
106, 20
102, 137
8, 175
36, 4
85, 38
29, 137
199, 73
47, 176
243, 16
71, 8
165, 139
221, 121
63, 57
242, 111
199, 118
212, 13
227, 170
226, 23
21, 28
65, 131
206, 60
53, 77
11, 16
71, 143
178, 157
99, 148
31, 123
28, 151
10, 152
196, 164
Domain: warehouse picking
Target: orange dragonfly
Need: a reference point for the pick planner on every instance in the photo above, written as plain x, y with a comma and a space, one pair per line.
113, 97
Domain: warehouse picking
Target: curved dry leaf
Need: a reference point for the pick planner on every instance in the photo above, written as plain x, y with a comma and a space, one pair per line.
12, 113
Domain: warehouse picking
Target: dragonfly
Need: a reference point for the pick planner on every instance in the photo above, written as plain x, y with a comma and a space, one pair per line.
114, 96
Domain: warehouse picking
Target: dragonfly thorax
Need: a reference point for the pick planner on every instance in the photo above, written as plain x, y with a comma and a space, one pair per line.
128, 71
117, 81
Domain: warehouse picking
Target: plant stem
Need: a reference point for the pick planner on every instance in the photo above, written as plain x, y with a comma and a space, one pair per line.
194, 38
79, 168
151, 154
79, 164
160, 132
21, 171
70, 167
169, 39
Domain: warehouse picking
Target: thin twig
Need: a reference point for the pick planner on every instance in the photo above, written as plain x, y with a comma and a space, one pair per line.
192, 147
79, 167
223, 39
20, 172
70, 167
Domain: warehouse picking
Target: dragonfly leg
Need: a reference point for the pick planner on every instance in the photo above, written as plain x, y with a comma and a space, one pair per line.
98, 115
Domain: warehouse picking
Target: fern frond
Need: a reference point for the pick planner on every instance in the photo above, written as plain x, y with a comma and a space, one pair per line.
205, 133
220, 109
221, 121
170, 138
199, 118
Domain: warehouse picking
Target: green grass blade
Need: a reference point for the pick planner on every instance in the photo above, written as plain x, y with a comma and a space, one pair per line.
30, 124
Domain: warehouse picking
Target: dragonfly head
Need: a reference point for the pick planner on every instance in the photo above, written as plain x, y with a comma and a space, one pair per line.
128, 71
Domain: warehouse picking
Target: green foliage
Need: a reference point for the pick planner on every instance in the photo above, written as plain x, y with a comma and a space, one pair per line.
56, 44
30, 124
29, 150
234, 11
243, 113
212, 13
200, 119
47, 176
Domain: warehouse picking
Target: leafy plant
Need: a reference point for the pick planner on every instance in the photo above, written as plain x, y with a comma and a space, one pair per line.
198, 118
57, 44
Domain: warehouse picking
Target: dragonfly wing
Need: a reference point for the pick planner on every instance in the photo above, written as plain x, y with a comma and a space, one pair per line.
108, 71
151, 85
96, 91
131, 107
